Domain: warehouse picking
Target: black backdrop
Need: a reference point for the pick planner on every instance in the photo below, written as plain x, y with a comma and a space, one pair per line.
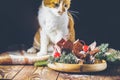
97, 20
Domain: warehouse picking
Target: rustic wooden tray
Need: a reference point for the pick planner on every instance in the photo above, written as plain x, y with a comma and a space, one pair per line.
79, 67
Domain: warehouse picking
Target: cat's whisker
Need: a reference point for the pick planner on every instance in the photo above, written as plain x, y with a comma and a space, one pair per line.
74, 11
74, 14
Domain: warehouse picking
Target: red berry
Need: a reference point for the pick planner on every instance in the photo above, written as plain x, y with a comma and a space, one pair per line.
56, 54
85, 48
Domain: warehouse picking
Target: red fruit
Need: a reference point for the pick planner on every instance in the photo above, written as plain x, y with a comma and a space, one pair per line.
85, 48
57, 54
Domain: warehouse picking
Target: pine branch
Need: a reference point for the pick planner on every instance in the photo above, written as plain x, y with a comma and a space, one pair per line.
64, 58
102, 49
110, 55
113, 55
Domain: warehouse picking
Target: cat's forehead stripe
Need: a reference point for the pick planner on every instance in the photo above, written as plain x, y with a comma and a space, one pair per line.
51, 3
58, 1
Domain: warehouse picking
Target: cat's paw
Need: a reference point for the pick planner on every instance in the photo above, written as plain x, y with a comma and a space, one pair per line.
41, 53
31, 50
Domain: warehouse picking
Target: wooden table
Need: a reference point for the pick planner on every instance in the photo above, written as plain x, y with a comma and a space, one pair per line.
29, 72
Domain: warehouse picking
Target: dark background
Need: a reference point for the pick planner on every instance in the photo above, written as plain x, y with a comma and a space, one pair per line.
97, 20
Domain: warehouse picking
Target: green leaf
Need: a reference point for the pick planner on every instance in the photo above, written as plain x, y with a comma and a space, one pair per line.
41, 63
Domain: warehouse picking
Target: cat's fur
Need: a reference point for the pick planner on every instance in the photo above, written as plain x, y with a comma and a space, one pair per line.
55, 23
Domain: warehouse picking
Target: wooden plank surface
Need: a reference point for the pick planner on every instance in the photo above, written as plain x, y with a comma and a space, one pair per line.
37, 74
8, 72
67, 76
49, 74
105, 77
25, 73
29, 72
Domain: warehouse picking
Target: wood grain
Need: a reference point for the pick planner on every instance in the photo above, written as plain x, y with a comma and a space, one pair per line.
9, 71
105, 77
25, 73
29, 72
66, 76
79, 67
37, 74
49, 74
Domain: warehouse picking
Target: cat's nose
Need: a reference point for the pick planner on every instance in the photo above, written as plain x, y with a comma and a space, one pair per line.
60, 12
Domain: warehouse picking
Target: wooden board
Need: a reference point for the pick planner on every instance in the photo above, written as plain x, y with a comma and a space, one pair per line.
8, 72
105, 77
25, 73
49, 74
78, 68
65, 76
37, 74
29, 72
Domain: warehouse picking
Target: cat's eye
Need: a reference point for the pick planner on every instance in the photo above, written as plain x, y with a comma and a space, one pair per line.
65, 5
56, 5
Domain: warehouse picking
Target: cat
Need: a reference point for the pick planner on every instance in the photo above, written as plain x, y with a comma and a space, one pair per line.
55, 22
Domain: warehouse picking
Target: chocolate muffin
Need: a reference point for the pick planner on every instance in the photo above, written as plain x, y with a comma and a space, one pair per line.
68, 45
77, 47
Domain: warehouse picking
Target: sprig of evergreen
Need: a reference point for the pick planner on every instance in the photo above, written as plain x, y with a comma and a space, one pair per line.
64, 58
114, 56
106, 54
103, 48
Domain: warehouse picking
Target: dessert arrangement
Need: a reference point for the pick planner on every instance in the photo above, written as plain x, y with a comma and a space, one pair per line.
74, 52
77, 56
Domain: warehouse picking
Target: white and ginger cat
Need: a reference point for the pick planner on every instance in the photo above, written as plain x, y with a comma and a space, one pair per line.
55, 23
